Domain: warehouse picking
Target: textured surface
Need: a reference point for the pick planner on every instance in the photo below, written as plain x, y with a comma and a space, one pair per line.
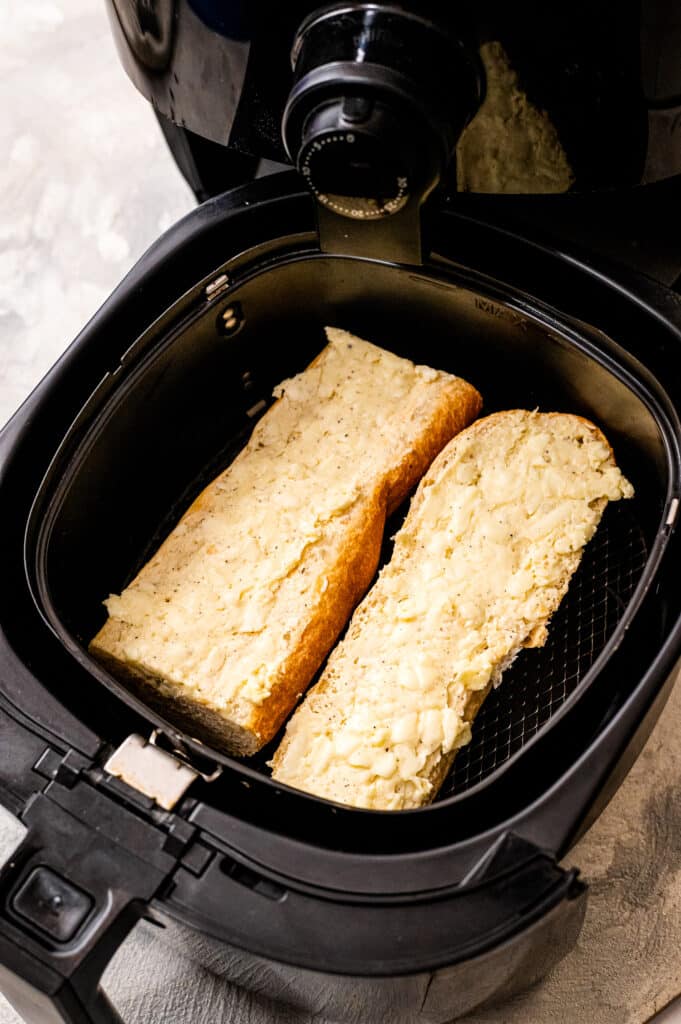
492, 538
526, 155
540, 680
86, 182
230, 619
82, 162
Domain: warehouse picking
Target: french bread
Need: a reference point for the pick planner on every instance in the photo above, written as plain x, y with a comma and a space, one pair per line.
495, 531
224, 628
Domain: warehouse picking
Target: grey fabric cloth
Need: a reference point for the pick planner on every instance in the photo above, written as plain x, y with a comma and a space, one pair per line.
85, 185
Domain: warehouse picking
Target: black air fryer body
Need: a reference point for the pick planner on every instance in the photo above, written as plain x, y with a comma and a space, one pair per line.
607, 77
356, 915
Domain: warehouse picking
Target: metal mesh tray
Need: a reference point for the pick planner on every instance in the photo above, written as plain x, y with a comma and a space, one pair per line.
541, 679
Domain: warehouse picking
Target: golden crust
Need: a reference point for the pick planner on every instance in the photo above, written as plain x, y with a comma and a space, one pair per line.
460, 404
348, 582
350, 579
348, 575
323, 699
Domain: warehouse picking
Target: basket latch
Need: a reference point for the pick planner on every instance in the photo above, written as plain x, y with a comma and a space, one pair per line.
157, 773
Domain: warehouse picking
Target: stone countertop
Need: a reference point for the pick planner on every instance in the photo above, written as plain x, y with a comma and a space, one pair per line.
85, 185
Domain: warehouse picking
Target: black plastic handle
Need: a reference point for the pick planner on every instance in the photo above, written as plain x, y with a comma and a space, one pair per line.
69, 896
55, 999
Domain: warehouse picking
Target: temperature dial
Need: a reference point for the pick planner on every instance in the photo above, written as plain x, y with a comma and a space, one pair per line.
380, 95
355, 157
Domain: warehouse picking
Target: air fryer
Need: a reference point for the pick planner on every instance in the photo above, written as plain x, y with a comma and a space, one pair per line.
359, 915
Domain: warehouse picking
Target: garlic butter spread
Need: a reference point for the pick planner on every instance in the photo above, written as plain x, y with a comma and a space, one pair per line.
486, 553
219, 607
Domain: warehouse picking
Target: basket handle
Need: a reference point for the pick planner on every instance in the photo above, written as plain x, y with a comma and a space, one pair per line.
42, 995
69, 896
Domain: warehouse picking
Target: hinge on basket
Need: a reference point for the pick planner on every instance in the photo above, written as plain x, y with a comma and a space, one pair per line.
158, 774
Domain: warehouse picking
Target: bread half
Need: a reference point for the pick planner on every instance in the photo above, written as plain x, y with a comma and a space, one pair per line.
494, 533
226, 625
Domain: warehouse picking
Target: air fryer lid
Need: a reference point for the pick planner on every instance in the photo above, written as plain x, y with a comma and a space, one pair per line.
134, 419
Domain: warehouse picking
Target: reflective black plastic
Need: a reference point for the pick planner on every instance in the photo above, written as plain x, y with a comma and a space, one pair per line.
438, 909
594, 89
380, 98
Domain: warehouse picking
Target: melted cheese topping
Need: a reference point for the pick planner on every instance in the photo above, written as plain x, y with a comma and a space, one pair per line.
510, 146
486, 554
221, 604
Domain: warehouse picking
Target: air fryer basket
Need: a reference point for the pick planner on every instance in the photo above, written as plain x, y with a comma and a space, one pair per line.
439, 908
183, 399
